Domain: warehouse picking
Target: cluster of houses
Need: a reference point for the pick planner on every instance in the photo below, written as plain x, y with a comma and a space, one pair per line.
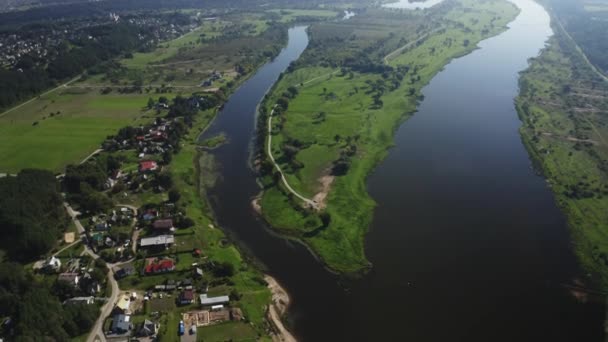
73, 274
122, 324
212, 309
147, 140
215, 75
100, 228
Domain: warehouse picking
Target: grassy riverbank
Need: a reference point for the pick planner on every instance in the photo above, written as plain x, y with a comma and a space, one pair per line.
334, 125
563, 105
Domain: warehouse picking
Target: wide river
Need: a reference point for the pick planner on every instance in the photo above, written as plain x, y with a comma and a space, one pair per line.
467, 243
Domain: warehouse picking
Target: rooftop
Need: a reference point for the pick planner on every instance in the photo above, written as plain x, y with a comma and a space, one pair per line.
157, 240
213, 300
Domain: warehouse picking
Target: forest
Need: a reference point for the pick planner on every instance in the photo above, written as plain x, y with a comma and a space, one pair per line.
32, 216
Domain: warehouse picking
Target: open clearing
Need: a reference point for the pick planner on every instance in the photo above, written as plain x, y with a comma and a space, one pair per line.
64, 127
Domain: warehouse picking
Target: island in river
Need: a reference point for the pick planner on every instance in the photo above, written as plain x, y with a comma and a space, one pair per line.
330, 119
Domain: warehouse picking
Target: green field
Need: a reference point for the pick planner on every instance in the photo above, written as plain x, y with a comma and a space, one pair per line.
235, 331
563, 107
35, 136
288, 15
351, 115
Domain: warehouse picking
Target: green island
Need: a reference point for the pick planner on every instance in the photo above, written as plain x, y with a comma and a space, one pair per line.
334, 112
563, 105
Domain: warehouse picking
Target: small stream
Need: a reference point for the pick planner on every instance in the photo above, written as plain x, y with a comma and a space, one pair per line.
467, 243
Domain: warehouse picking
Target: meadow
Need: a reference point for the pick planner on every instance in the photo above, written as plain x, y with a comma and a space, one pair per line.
65, 126
347, 116
563, 106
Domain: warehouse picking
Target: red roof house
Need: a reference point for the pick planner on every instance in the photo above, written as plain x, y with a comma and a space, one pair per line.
186, 297
162, 266
147, 165
163, 225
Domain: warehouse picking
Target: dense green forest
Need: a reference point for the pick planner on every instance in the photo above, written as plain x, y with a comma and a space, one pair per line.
32, 216
35, 310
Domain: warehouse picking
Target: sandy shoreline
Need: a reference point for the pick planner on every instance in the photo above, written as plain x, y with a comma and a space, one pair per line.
280, 303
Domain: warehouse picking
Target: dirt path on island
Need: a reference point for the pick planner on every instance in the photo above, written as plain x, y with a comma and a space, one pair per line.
280, 303
321, 196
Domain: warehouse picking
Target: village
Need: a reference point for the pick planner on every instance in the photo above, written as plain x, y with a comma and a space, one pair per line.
144, 241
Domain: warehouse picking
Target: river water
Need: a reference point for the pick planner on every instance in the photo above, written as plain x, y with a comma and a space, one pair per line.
467, 243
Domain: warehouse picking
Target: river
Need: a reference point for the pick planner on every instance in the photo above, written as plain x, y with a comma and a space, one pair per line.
467, 243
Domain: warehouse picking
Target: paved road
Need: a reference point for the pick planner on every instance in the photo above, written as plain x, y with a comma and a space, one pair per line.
308, 201
74, 215
135, 234
97, 334
66, 247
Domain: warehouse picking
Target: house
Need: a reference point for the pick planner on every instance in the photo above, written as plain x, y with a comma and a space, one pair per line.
155, 266
147, 166
161, 240
125, 271
89, 285
186, 297
210, 301
163, 225
102, 226
121, 324
53, 264
149, 215
97, 239
80, 300
109, 242
123, 304
70, 278
148, 328
158, 135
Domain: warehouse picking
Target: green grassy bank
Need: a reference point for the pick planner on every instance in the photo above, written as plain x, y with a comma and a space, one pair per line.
340, 105
563, 106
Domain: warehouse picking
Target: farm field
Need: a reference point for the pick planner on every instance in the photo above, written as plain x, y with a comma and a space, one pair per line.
64, 127
337, 126
563, 106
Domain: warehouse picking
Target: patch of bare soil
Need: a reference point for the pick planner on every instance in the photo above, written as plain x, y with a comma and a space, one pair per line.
280, 303
255, 204
321, 196
570, 138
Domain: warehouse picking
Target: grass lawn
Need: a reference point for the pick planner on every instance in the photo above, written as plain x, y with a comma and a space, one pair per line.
35, 136
336, 113
288, 15
235, 331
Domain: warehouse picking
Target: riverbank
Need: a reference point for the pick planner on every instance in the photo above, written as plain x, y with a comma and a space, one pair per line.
278, 309
565, 135
342, 126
